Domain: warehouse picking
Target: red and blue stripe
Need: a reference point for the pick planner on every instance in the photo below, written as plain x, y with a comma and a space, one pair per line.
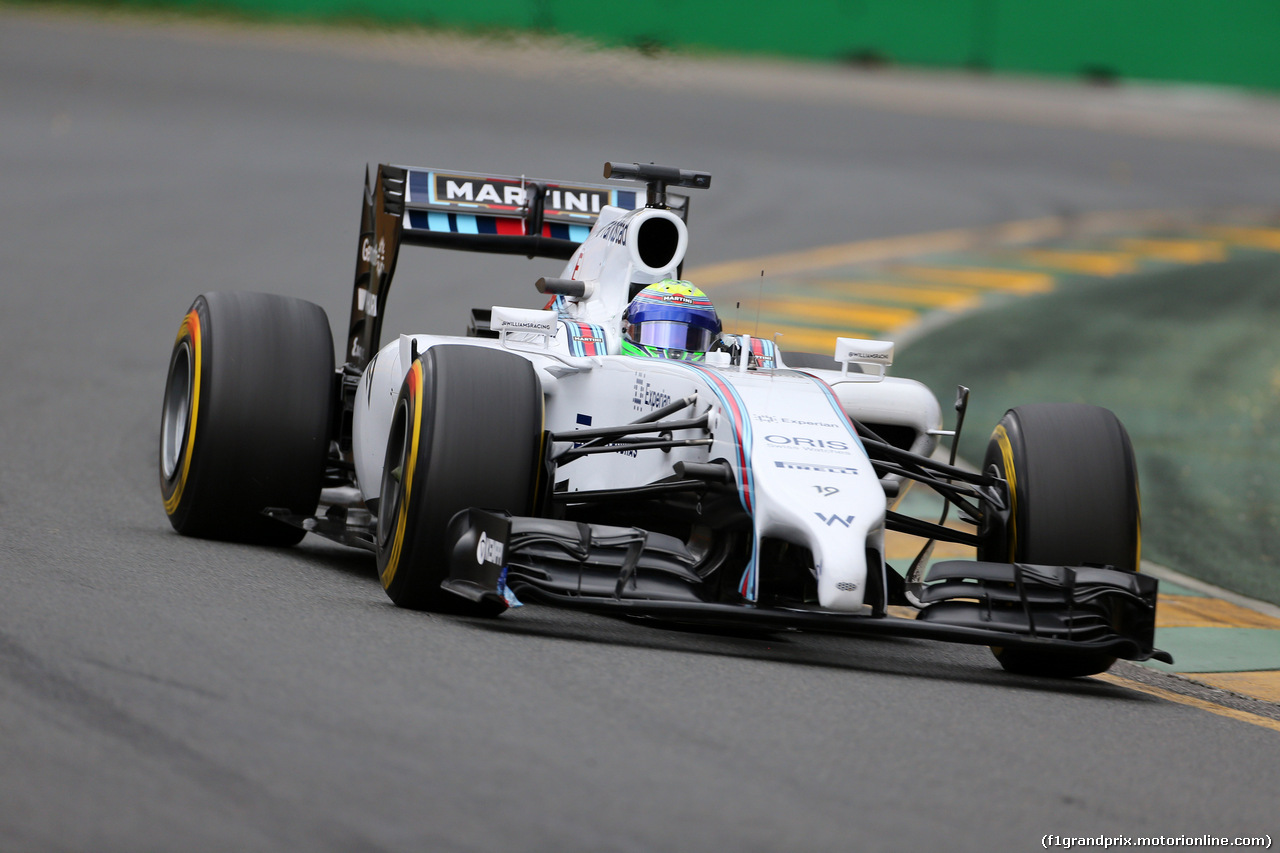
467, 223
733, 406
765, 352
835, 404
584, 338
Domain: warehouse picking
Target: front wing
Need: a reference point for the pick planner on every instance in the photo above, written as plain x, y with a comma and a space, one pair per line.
631, 572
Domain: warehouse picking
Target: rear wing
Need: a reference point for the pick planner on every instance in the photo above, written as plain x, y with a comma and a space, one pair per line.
471, 212
494, 213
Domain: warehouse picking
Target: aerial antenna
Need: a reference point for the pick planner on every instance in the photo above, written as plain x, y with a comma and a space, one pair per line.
657, 178
759, 299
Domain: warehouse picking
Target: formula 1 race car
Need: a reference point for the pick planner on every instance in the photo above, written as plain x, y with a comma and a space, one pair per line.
606, 454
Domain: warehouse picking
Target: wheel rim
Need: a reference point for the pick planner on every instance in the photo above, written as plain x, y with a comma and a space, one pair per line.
392, 486
177, 411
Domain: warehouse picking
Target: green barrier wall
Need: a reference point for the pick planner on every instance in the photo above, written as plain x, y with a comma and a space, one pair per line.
1233, 42
1236, 42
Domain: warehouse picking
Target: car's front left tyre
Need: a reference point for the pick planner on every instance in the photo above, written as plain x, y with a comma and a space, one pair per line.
245, 421
466, 432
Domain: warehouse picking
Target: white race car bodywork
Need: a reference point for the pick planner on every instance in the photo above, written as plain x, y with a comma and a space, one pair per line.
799, 468
532, 461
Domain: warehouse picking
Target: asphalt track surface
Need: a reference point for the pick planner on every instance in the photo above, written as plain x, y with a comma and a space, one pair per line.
162, 693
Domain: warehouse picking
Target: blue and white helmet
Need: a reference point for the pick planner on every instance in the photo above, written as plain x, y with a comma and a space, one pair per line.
668, 320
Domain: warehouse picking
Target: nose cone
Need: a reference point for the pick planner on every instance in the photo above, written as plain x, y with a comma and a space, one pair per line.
841, 562
838, 538
813, 483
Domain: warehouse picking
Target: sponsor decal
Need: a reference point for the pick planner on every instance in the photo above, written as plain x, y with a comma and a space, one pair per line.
845, 520
511, 194
377, 258
825, 469
807, 443
519, 320
616, 231
366, 303
763, 352
584, 338
489, 550
774, 419
506, 193
645, 396
565, 200
656, 399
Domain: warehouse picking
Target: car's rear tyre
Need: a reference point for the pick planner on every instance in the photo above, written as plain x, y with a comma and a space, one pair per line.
1074, 489
245, 420
466, 432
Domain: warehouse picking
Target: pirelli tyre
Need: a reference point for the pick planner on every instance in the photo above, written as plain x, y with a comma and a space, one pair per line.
466, 432
245, 420
1073, 483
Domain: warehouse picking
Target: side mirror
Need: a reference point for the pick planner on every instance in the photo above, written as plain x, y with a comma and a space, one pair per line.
873, 356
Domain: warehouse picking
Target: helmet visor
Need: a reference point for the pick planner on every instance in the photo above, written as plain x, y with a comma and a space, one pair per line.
670, 334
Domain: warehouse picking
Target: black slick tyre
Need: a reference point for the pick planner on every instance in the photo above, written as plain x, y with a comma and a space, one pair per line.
466, 432
1073, 483
245, 420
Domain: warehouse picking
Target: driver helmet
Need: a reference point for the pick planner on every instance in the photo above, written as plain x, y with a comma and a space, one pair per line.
670, 319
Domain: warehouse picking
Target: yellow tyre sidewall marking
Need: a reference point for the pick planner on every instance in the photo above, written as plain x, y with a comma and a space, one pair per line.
190, 329
1137, 490
1006, 451
410, 465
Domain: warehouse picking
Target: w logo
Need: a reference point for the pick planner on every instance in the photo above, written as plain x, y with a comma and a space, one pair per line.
846, 520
